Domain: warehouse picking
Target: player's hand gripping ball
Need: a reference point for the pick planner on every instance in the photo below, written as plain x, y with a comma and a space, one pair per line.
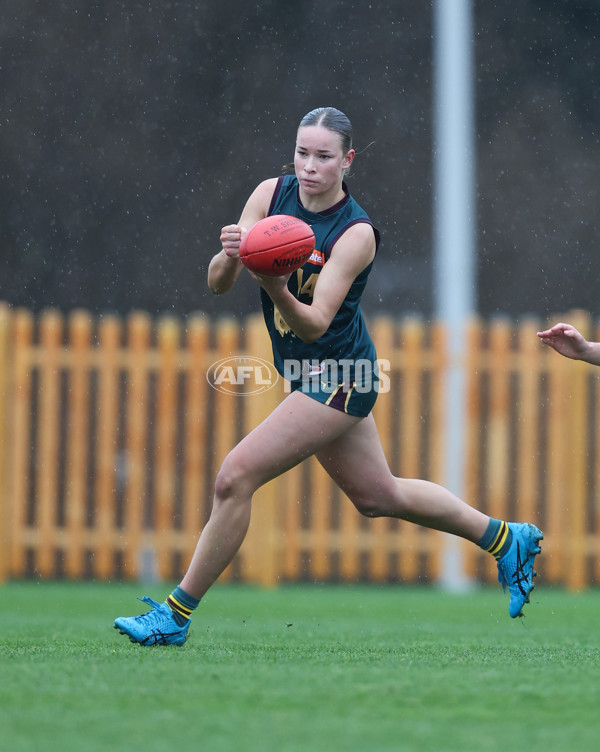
277, 245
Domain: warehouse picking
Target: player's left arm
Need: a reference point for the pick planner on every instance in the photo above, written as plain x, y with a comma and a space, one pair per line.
352, 253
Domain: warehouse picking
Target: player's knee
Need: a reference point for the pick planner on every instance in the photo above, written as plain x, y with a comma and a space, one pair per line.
231, 482
368, 506
224, 485
371, 511
387, 500
235, 479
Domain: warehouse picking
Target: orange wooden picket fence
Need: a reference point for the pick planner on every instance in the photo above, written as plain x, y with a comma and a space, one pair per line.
111, 436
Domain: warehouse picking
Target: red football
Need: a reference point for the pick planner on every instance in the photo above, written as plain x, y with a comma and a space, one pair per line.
277, 245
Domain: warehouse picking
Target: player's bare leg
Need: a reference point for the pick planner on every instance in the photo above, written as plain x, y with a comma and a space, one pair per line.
295, 430
358, 465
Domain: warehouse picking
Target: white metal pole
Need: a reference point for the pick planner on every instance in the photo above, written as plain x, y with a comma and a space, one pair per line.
454, 234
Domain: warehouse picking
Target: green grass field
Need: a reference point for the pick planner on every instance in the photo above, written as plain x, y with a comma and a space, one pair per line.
309, 668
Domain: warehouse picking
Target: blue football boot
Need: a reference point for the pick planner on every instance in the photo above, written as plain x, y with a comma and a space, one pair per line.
156, 627
515, 568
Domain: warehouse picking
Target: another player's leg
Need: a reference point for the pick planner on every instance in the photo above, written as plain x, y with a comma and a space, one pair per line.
297, 428
357, 463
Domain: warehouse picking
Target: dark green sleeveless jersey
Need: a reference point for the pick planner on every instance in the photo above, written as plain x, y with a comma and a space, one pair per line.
347, 338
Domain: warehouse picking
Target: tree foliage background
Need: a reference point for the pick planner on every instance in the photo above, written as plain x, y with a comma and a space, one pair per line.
131, 131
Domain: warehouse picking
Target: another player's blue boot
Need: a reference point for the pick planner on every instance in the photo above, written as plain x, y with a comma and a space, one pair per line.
156, 627
515, 568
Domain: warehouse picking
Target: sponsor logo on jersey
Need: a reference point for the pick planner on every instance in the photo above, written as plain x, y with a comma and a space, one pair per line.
316, 257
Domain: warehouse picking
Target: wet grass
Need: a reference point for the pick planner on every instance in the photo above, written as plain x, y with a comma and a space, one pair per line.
301, 668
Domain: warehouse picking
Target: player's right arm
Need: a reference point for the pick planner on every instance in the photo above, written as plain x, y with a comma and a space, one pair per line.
225, 266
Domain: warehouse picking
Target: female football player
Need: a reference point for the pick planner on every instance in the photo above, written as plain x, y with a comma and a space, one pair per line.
314, 318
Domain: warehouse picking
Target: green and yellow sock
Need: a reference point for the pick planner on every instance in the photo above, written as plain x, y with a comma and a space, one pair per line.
182, 605
497, 538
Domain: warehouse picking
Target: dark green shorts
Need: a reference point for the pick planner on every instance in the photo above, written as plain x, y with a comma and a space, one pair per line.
348, 398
